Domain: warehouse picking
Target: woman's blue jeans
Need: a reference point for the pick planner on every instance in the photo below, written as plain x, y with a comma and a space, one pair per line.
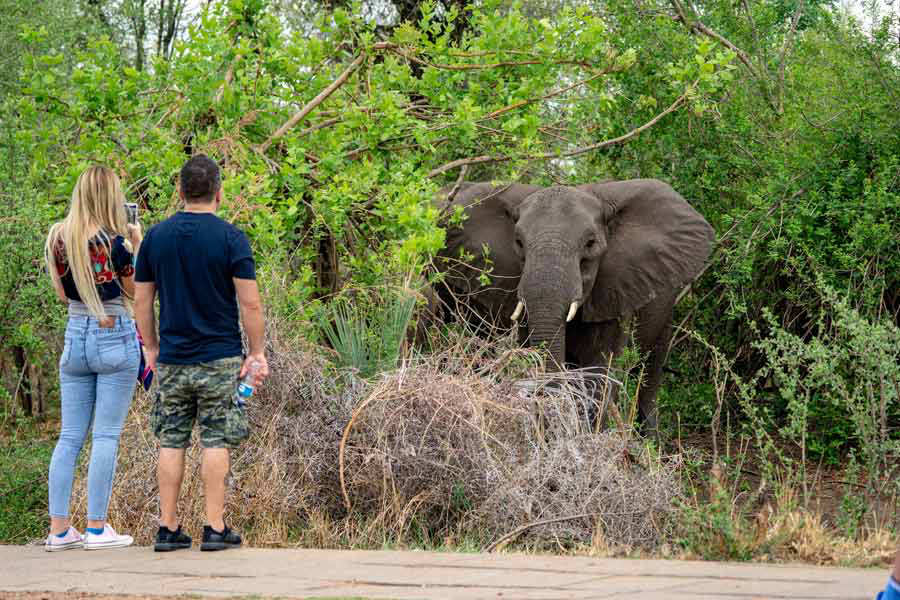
97, 375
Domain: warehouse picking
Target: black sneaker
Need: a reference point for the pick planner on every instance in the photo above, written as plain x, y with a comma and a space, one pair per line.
167, 540
219, 540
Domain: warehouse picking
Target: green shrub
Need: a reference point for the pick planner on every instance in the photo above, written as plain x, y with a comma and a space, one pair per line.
367, 333
23, 490
838, 388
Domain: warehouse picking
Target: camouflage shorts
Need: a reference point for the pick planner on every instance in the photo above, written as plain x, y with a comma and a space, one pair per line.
206, 392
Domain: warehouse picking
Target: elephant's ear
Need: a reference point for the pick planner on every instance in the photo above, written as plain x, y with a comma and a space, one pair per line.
657, 243
491, 214
490, 219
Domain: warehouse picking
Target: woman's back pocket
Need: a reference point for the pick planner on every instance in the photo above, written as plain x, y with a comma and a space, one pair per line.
115, 350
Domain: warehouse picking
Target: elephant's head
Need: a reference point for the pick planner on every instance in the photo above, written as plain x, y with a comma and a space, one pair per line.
595, 252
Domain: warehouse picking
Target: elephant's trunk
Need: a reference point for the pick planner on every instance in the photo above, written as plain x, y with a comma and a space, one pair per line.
551, 282
547, 327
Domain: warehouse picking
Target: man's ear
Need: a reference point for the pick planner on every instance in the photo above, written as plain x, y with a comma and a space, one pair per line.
219, 197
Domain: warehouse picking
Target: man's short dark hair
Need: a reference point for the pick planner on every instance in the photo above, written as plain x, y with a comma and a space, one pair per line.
200, 179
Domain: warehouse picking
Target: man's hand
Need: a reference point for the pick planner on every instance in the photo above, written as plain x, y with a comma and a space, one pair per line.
151, 355
254, 326
262, 372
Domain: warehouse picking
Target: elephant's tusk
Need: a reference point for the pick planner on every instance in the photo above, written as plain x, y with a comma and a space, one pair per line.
572, 309
518, 312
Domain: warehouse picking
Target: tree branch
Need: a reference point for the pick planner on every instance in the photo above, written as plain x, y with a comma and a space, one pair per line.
552, 94
574, 152
515, 532
624, 138
481, 67
229, 77
299, 115
700, 27
784, 50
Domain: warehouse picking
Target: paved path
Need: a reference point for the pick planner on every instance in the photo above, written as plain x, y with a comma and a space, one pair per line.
425, 575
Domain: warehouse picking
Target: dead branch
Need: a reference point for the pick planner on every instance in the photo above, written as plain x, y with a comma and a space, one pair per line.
299, 115
515, 532
229, 77
547, 96
459, 181
482, 66
624, 138
575, 152
460, 162
699, 26
318, 126
788, 39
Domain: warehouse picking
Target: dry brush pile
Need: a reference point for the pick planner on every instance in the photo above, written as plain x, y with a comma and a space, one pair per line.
445, 448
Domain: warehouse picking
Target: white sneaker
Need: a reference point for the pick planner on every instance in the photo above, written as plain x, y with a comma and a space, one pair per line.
108, 539
71, 540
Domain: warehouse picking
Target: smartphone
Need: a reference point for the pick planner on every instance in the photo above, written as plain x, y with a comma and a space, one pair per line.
131, 211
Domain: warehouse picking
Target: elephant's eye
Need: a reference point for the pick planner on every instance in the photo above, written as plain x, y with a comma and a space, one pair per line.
519, 244
590, 243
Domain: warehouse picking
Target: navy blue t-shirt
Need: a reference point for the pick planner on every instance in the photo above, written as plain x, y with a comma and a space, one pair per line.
192, 258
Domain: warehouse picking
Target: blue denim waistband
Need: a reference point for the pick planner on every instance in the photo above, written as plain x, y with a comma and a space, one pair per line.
112, 308
81, 323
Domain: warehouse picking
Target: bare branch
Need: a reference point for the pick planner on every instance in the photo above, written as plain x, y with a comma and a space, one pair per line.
624, 138
299, 115
575, 152
788, 39
229, 77
515, 532
318, 126
461, 162
485, 66
459, 181
506, 109
700, 27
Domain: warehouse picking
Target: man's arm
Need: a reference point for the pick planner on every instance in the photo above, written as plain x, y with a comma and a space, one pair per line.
144, 294
254, 325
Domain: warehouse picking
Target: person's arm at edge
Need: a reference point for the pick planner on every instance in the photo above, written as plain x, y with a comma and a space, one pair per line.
892, 589
254, 325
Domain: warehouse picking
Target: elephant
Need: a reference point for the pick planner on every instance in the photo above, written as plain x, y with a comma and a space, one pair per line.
570, 266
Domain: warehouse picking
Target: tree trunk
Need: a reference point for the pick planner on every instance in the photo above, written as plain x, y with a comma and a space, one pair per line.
23, 386
38, 404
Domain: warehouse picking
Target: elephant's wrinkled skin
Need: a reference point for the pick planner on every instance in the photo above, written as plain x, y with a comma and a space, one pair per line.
597, 254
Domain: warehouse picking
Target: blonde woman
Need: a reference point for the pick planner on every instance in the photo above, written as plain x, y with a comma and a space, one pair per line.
91, 265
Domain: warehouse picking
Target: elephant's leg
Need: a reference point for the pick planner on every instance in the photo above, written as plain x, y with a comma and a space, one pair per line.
653, 332
594, 346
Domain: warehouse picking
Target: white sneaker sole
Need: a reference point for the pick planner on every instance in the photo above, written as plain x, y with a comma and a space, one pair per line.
61, 547
109, 544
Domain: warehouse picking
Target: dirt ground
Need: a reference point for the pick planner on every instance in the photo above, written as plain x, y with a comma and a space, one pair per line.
82, 596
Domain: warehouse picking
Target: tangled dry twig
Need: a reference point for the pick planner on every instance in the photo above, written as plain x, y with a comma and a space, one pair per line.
446, 445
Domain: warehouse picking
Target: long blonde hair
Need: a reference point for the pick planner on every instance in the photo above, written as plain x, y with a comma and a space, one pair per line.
97, 210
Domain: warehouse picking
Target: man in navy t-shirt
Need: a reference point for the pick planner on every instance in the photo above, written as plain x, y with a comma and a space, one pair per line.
202, 269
